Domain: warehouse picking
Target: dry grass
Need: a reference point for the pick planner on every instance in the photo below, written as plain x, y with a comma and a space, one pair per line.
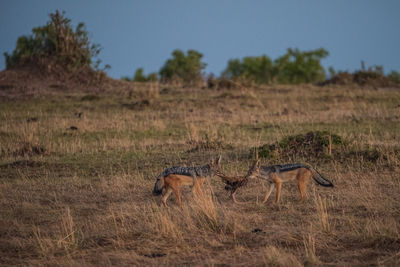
83, 197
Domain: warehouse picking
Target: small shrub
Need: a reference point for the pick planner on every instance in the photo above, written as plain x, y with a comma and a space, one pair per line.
221, 83
152, 77
342, 78
369, 154
186, 68
394, 77
309, 144
258, 69
300, 67
374, 77
266, 151
140, 77
29, 149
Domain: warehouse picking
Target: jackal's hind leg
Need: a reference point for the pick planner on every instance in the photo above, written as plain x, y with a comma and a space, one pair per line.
166, 195
302, 179
197, 187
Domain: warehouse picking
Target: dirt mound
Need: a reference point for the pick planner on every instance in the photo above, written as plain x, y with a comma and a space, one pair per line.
361, 78
343, 78
374, 79
321, 146
311, 144
46, 77
30, 80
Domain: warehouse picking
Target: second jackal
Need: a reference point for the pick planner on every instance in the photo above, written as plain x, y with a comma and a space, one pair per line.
172, 179
278, 174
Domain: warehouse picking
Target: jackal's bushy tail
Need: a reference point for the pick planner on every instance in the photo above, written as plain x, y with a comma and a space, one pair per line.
158, 186
321, 180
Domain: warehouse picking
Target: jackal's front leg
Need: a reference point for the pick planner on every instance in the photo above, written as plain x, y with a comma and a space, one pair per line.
268, 193
178, 195
278, 191
233, 196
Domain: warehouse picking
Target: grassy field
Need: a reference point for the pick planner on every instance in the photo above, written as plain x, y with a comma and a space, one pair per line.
77, 172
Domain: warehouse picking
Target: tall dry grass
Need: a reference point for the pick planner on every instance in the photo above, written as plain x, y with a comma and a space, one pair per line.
83, 197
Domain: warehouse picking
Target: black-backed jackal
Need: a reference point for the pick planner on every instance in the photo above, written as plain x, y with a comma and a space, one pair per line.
278, 174
171, 179
234, 182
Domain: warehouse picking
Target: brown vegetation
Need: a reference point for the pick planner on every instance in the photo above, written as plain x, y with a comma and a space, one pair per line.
83, 197
361, 78
29, 81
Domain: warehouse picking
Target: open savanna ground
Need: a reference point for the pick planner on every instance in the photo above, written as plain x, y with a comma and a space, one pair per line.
77, 172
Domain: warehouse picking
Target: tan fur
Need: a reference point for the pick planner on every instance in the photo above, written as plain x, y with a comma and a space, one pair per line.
301, 175
174, 182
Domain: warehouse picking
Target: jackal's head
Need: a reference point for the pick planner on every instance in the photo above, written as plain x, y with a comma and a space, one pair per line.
158, 186
215, 164
254, 170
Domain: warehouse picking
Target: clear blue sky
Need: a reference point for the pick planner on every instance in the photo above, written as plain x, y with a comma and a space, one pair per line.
137, 34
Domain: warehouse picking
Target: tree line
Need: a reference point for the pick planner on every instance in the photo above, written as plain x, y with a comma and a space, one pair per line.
294, 67
58, 43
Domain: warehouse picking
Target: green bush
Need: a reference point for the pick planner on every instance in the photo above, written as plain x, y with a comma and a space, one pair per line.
140, 77
58, 42
258, 69
292, 68
301, 67
186, 68
152, 77
394, 77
